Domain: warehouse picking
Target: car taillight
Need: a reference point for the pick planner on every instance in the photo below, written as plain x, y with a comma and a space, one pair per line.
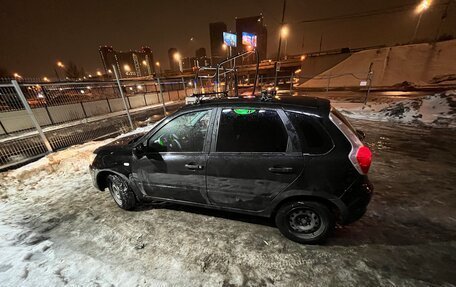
364, 158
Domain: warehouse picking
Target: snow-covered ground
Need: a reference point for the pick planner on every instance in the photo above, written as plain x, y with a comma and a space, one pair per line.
437, 110
56, 229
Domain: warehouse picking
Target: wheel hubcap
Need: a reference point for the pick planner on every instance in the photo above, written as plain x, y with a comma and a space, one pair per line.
117, 188
304, 221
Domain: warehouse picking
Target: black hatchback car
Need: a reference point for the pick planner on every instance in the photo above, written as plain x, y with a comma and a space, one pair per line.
295, 159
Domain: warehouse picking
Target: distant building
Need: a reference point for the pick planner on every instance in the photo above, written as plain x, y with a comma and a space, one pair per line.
253, 25
201, 58
200, 53
173, 64
130, 64
216, 37
188, 63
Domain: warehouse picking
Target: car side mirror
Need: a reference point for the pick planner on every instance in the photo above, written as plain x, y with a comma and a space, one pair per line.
361, 135
139, 151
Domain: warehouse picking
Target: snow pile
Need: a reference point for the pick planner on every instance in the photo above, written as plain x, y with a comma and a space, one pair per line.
437, 110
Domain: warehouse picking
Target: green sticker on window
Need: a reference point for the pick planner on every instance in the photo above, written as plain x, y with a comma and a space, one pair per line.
243, 111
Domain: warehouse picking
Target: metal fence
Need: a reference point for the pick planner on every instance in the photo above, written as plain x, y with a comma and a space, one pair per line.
40, 117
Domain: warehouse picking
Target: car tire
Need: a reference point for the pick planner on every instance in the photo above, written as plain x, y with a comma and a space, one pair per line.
306, 222
121, 192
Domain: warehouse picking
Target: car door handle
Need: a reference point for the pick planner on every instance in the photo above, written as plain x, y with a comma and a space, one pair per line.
281, 169
193, 166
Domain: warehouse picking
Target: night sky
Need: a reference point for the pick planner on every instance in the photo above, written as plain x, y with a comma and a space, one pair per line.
35, 34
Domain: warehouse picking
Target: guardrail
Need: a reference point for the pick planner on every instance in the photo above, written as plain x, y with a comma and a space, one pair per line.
38, 118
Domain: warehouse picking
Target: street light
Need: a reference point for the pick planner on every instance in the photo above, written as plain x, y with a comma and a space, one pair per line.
45, 79
284, 32
177, 56
424, 5
60, 65
420, 9
17, 76
158, 67
127, 68
98, 73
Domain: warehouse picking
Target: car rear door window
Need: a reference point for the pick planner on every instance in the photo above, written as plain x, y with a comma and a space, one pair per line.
313, 136
251, 130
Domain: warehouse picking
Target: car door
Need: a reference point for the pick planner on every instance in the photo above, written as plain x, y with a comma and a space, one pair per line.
253, 157
175, 158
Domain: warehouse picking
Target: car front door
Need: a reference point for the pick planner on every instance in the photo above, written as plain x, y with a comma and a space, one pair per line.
174, 161
253, 158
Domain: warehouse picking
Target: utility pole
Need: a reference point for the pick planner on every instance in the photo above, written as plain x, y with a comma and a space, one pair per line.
280, 41
442, 18
321, 43
281, 26
369, 82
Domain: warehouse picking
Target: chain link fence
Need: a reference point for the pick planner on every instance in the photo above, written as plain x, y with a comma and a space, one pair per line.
38, 118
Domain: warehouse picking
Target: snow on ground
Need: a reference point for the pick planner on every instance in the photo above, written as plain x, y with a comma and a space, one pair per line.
437, 110
56, 229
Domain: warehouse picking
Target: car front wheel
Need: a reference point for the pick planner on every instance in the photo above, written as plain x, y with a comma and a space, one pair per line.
305, 222
121, 192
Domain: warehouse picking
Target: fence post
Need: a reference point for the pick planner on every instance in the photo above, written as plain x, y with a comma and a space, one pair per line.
329, 83
3, 128
369, 80
291, 82
185, 88
161, 96
31, 115
123, 97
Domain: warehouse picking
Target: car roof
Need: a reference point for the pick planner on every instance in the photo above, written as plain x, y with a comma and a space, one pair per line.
312, 105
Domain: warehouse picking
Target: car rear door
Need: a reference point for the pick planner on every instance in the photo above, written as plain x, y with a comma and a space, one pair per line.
254, 156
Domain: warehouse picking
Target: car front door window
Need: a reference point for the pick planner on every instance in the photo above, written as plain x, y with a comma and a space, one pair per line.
185, 133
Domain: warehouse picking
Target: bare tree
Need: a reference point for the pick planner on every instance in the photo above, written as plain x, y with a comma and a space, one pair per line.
73, 72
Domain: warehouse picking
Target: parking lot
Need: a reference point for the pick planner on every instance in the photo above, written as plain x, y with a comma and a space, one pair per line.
56, 229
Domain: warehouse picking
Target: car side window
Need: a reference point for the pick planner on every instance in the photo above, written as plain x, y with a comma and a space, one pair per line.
186, 133
251, 130
313, 136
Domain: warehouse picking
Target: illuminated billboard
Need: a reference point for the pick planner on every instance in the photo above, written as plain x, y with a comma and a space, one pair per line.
229, 39
249, 39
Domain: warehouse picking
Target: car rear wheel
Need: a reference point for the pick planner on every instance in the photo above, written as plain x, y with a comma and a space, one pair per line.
305, 222
121, 192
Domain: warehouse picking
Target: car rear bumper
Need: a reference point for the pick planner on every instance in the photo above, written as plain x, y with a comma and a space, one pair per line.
356, 200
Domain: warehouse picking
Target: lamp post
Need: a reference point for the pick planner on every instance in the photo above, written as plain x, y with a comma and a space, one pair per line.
17, 76
420, 9
178, 58
60, 65
158, 66
284, 32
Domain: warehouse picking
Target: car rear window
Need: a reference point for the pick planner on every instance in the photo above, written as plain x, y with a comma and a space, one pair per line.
313, 136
